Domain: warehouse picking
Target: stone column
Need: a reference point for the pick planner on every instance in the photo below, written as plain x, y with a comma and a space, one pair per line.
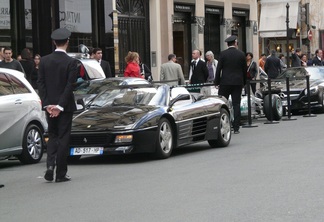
197, 27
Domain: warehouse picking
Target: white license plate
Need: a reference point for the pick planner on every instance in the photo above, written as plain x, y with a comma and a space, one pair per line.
86, 151
284, 103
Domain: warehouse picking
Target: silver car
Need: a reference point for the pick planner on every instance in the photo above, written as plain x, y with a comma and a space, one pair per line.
22, 121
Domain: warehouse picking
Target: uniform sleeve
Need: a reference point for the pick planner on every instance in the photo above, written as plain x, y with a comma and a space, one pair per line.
72, 73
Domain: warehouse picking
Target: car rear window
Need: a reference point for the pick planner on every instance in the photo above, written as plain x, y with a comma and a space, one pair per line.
5, 86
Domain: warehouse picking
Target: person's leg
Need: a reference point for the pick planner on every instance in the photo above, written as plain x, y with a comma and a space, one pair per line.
236, 101
52, 145
253, 87
64, 131
224, 91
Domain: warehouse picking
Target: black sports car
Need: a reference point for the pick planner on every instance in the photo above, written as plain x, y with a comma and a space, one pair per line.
149, 119
298, 88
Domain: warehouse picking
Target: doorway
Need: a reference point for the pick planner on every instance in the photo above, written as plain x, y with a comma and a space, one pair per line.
182, 40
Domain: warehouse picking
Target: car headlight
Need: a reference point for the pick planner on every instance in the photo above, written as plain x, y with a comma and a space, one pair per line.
124, 138
313, 90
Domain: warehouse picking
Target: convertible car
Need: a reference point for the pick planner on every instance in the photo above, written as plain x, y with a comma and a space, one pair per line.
149, 119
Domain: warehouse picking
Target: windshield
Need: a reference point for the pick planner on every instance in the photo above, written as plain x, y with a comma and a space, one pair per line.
130, 97
314, 72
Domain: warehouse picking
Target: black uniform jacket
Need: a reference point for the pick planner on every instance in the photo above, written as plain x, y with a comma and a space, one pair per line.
106, 68
57, 76
231, 68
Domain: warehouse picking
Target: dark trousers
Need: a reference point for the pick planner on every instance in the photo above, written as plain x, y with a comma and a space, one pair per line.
235, 91
253, 87
59, 129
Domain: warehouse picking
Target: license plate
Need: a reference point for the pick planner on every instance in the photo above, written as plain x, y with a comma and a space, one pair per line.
284, 103
75, 151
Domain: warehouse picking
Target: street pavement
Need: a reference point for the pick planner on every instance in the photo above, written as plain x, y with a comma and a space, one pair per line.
272, 172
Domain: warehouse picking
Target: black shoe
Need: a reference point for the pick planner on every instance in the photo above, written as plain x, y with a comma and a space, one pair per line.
236, 131
49, 175
63, 179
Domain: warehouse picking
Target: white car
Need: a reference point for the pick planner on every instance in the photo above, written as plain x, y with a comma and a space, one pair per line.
22, 121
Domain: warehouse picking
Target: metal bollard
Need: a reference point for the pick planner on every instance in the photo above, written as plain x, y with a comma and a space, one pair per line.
249, 105
308, 97
288, 100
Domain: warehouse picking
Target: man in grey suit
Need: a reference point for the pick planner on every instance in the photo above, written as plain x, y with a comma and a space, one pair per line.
172, 71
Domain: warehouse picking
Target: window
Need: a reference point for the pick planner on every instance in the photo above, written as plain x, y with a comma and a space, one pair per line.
18, 86
5, 86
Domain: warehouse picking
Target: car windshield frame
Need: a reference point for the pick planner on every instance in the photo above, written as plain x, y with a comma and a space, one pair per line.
315, 73
131, 95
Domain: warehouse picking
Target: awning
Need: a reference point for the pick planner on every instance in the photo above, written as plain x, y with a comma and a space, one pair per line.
273, 17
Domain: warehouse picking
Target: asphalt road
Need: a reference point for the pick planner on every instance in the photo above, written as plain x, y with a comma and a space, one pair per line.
273, 172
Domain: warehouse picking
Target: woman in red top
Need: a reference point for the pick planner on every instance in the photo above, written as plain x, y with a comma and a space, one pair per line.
132, 68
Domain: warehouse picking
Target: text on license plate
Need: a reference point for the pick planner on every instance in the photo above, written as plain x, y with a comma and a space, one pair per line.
86, 150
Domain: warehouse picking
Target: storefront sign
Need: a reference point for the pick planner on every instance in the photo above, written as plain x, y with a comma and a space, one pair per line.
237, 12
75, 15
183, 8
214, 11
4, 14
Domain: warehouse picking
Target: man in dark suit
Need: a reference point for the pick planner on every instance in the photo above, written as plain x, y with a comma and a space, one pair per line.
198, 70
97, 55
272, 65
295, 55
56, 80
231, 74
317, 60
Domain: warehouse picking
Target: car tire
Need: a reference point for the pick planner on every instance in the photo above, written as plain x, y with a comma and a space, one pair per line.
33, 145
164, 140
224, 132
276, 107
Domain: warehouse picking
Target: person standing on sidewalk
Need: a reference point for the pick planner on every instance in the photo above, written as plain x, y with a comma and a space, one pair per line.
57, 77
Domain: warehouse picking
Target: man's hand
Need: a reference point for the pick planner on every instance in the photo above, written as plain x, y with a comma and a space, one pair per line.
53, 111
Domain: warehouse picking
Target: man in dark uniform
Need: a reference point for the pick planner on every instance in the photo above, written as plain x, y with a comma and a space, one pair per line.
56, 80
272, 65
97, 55
295, 56
231, 77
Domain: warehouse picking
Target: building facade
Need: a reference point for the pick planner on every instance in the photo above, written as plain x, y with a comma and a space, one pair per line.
305, 26
154, 28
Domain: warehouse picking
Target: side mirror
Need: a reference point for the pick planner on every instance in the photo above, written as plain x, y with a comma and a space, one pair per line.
178, 98
80, 106
84, 49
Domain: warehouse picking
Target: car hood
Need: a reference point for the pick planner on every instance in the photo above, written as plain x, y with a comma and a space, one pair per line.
115, 118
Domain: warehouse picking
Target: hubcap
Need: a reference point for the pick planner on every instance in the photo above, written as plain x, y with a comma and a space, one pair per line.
279, 106
34, 143
225, 127
165, 137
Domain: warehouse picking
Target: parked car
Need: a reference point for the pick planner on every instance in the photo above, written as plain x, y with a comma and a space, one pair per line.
149, 119
87, 90
298, 88
22, 120
261, 99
